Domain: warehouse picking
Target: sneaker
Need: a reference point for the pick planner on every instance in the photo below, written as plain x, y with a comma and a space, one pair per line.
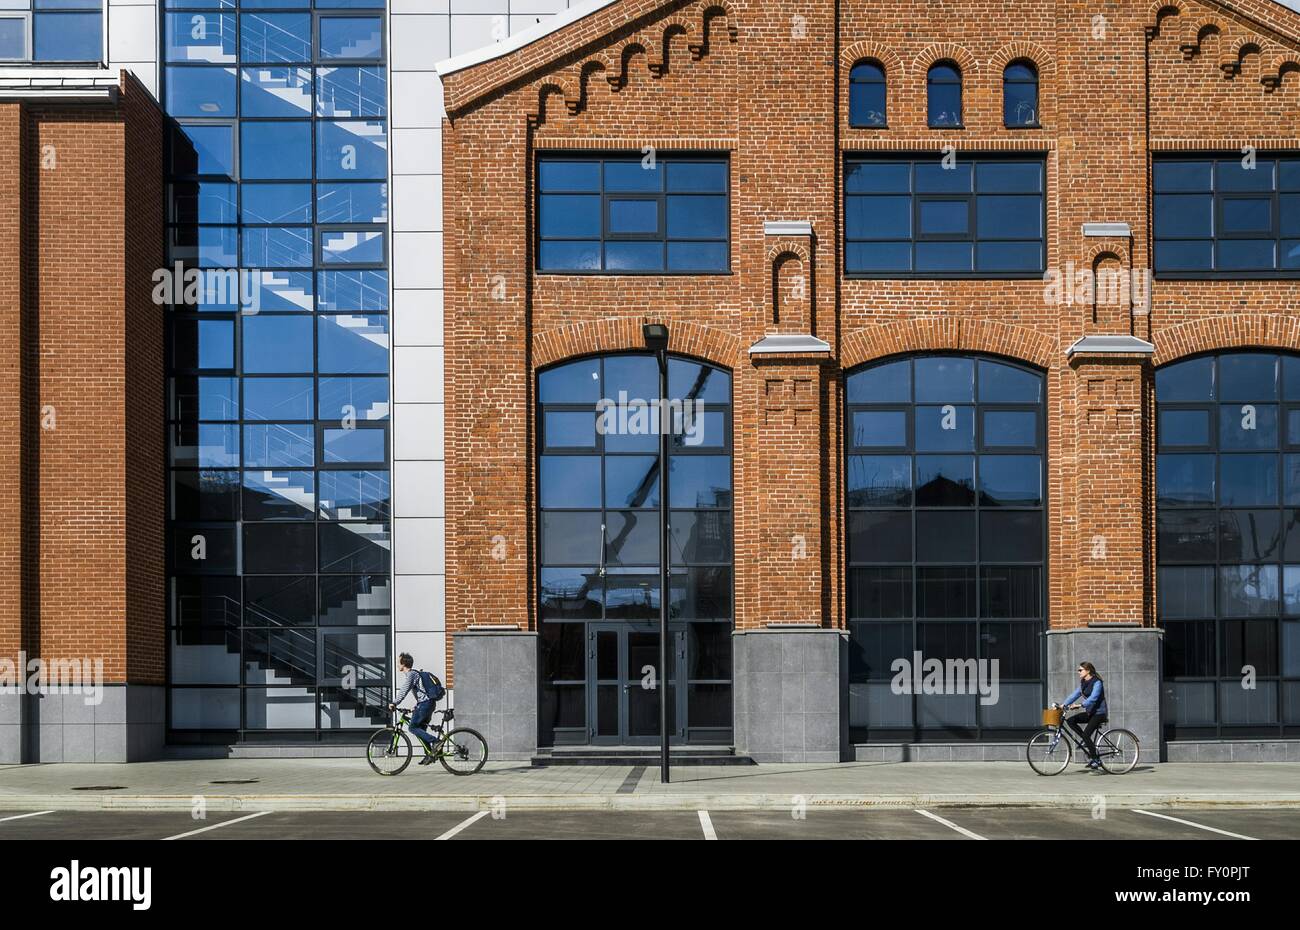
1094, 764
427, 760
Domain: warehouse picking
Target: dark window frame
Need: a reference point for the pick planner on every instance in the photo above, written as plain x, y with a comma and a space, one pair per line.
931, 82
1035, 81
882, 81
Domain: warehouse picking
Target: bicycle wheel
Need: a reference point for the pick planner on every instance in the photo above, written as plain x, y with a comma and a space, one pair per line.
1118, 750
389, 751
1048, 752
463, 751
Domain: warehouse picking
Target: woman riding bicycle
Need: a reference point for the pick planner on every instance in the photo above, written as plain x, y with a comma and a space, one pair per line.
1094, 714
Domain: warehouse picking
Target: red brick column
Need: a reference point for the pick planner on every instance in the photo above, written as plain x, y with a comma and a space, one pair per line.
11, 302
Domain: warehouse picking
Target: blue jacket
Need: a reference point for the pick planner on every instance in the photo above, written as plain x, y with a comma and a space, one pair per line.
1093, 694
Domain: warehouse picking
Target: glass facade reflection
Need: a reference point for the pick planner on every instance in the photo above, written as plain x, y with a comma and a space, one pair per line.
1228, 543
946, 542
278, 408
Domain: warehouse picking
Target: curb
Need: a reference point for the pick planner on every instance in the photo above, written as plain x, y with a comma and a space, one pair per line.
649, 802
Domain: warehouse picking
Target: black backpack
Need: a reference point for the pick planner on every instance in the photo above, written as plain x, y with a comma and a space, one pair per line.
433, 689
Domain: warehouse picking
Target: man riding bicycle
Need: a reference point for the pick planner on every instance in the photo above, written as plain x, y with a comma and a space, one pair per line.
1094, 709
427, 690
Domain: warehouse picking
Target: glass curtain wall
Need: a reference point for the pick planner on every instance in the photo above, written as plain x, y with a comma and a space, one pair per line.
278, 405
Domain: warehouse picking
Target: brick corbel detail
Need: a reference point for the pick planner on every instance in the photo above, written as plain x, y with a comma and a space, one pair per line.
623, 334
1235, 331
948, 333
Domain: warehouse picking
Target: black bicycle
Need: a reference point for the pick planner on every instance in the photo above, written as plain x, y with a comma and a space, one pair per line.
1051, 748
461, 751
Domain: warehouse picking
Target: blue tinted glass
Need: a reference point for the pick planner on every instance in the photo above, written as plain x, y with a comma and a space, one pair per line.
351, 92
354, 445
1247, 480
943, 217
867, 104
631, 216
218, 398
1020, 103
276, 344
350, 37
279, 444
269, 37
284, 92
351, 150
570, 216
1185, 256
631, 481
638, 375
1008, 256
280, 291
878, 217
699, 481
277, 246
1291, 475
570, 481
254, 4
1238, 175
1291, 377
1004, 428
944, 256
697, 256
1184, 215
697, 217
1181, 176
218, 445
1248, 590
354, 495
1288, 214
553, 175
278, 398
67, 37
944, 429
879, 428
634, 256
1244, 254
564, 429
353, 398
1184, 428
347, 4
200, 91
1003, 384
340, 291
944, 379
1247, 215
1249, 426
204, 202
216, 340
275, 150
877, 178
365, 202
1009, 177
574, 383
1185, 479
944, 105
696, 177
698, 382
1192, 380
1248, 376
943, 178
890, 383
879, 480
353, 344
945, 481
633, 176
1005, 217
1011, 481
276, 203
206, 246
878, 257
352, 247
204, 150
200, 37
558, 255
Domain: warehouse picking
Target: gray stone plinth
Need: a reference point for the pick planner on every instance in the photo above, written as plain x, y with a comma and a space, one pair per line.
120, 723
791, 694
1128, 659
496, 689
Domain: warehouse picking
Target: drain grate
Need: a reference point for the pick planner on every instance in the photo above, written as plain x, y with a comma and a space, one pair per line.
234, 781
100, 788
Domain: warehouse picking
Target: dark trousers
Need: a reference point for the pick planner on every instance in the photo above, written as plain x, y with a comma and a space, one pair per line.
420, 716
1092, 721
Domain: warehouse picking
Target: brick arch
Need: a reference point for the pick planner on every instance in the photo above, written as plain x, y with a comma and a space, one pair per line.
788, 247
949, 334
869, 49
1098, 252
555, 85
672, 27
1234, 331
622, 334
947, 50
1161, 10
1013, 51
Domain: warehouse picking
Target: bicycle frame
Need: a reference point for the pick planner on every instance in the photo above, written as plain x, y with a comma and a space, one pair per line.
1077, 744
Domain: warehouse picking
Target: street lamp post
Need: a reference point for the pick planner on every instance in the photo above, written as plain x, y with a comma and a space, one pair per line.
656, 340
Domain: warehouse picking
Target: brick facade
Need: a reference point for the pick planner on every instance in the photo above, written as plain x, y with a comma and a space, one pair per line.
766, 83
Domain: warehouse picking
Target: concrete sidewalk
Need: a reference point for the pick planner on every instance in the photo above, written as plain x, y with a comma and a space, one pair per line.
348, 784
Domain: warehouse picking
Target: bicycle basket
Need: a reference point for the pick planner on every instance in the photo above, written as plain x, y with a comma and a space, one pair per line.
1052, 717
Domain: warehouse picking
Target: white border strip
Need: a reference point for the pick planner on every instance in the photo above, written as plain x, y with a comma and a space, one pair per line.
216, 826
21, 816
948, 823
706, 824
463, 824
1192, 823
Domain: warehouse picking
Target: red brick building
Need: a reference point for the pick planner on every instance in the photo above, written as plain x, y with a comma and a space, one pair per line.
906, 184
82, 554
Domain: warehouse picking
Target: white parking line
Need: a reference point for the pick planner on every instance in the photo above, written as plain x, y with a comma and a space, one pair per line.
216, 826
707, 825
948, 823
1192, 823
463, 824
21, 816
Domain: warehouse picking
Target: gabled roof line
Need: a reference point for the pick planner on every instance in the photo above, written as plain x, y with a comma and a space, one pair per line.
521, 39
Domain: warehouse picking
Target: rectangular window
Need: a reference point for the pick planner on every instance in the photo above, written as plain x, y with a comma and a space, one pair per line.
1226, 217
922, 218
617, 215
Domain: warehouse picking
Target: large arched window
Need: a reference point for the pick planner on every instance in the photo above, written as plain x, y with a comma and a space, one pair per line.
598, 529
943, 94
1228, 543
867, 103
1020, 94
945, 546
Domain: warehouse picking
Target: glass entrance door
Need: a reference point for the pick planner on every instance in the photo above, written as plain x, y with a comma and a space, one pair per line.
624, 683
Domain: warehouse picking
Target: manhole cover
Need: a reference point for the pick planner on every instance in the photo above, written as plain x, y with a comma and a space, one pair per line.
234, 781
100, 788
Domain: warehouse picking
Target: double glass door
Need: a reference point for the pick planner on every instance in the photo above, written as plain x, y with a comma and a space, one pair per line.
625, 684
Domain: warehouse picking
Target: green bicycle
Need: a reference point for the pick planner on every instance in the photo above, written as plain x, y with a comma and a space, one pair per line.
462, 751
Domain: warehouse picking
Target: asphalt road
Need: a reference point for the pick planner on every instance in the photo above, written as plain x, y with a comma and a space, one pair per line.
965, 823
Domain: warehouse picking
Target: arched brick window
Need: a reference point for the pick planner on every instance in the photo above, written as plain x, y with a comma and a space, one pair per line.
867, 94
1020, 94
943, 94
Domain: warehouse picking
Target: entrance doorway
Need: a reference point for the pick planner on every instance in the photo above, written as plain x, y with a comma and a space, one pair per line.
623, 697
